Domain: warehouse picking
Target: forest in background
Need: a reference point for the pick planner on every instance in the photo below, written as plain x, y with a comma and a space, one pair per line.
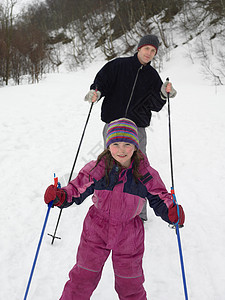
49, 33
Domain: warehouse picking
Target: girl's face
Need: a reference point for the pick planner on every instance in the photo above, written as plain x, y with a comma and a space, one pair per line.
122, 152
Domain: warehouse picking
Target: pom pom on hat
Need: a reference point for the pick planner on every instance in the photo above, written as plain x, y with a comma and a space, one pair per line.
149, 40
122, 130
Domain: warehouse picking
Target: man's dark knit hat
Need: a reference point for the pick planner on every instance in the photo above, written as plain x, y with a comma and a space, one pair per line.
149, 40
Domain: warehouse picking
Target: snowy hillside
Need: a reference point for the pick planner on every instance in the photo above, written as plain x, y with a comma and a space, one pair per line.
40, 130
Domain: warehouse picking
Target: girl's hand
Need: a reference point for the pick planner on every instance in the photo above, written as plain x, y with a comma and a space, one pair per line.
173, 216
54, 194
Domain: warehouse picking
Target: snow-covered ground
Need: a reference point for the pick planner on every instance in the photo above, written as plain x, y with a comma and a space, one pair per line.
40, 130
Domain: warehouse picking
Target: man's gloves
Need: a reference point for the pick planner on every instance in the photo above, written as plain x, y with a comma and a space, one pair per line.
172, 214
167, 87
54, 194
92, 96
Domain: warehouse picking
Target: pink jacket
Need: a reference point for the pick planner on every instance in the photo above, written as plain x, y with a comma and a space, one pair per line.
122, 199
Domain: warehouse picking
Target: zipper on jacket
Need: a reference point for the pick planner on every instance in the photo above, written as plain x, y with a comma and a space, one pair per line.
132, 91
116, 176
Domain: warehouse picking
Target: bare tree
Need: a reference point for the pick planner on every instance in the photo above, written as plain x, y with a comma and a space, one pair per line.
7, 33
99, 25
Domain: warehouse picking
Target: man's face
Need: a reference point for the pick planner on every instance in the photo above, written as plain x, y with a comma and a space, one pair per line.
146, 54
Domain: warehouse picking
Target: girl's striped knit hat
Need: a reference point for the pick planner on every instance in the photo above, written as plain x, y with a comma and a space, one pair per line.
122, 130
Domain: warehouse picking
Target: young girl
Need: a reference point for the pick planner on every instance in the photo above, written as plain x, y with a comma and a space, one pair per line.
121, 180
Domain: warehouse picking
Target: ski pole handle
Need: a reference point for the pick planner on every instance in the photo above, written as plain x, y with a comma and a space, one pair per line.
96, 95
168, 87
55, 181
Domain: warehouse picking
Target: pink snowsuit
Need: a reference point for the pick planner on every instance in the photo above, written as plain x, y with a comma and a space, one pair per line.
113, 224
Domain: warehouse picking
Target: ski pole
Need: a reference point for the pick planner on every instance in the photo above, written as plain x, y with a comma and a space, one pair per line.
173, 195
40, 241
71, 174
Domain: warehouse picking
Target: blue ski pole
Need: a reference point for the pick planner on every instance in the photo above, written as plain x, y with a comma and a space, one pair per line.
40, 241
177, 226
174, 197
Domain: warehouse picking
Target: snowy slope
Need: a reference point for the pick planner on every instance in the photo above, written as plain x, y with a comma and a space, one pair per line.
40, 130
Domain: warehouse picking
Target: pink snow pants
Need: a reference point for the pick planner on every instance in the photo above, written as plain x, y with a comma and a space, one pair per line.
98, 238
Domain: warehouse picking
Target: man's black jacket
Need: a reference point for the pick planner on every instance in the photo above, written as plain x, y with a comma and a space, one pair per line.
129, 89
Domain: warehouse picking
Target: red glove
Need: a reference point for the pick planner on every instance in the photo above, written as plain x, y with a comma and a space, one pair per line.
54, 194
172, 214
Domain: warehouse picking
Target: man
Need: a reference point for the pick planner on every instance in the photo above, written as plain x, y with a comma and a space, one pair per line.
131, 88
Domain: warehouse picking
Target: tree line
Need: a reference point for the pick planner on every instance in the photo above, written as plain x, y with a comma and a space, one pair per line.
30, 41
